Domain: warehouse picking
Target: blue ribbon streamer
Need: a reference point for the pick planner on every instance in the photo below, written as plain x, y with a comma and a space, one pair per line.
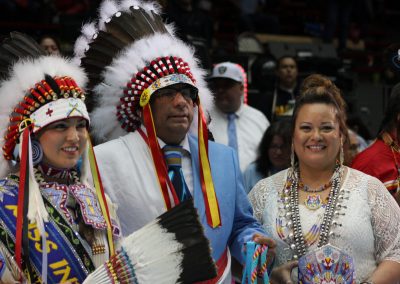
252, 264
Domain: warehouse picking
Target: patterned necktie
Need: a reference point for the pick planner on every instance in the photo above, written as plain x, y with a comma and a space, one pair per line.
173, 157
232, 137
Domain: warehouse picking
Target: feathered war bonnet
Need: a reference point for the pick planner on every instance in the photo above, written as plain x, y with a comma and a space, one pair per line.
36, 90
129, 53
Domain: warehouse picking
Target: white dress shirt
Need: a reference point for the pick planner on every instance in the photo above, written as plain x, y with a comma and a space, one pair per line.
250, 127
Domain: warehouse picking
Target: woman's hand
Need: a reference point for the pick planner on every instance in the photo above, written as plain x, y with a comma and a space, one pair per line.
263, 240
282, 273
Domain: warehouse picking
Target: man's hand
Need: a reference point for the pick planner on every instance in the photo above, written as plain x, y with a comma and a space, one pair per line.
282, 273
263, 240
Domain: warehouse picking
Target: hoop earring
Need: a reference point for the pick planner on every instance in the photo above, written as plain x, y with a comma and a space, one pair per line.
37, 152
341, 153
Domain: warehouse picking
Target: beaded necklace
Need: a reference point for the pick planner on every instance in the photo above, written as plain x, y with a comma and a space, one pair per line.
306, 188
313, 200
72, 208
69, 175
299, 245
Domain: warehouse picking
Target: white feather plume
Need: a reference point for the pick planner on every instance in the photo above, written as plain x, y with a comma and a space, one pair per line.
82, 43
148, 6
107, 9
89, 30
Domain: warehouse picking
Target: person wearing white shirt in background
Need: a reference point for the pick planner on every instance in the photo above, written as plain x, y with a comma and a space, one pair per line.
234, 123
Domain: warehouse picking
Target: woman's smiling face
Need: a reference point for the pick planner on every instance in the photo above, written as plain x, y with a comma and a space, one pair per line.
317, 136
63, 142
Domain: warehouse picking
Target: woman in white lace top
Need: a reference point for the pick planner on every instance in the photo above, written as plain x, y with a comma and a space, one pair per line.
319, 201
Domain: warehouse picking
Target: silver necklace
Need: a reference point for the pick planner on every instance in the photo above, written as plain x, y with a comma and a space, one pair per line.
299, 245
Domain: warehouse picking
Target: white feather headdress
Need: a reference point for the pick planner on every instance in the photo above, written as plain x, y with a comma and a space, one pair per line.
31, 81
126, 39
132, 55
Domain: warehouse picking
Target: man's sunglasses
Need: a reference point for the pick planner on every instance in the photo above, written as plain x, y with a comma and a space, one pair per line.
188, 92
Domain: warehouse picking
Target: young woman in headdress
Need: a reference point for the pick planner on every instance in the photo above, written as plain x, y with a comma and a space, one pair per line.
45, 198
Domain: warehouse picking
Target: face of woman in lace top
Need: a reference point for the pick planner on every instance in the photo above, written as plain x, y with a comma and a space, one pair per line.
316, 136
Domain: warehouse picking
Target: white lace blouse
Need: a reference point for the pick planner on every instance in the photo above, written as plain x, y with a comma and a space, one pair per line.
366, 226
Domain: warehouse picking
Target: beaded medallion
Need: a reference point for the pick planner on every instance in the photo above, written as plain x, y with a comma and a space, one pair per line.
327, 264
313, 201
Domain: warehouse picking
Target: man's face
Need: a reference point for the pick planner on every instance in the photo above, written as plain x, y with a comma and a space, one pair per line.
227, 93
172, 109
287, 72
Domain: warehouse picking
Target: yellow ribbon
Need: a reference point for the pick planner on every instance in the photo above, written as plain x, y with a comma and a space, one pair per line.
100, 196
213, 216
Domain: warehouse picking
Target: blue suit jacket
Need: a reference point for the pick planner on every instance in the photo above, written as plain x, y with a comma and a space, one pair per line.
238, 224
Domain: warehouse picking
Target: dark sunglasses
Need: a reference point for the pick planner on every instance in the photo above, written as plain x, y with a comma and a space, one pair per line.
188, 92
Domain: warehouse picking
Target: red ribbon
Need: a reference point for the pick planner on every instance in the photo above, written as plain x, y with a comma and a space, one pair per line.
23, 178
158, 159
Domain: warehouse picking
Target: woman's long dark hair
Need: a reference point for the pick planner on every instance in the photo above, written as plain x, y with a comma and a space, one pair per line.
281, 128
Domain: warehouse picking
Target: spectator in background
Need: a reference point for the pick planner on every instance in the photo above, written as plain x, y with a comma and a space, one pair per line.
364, 136
351, 148
50, 44
281, 100
382, 158
234, 123
273, 154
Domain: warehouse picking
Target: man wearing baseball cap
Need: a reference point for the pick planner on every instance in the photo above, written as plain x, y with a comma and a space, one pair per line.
234, 123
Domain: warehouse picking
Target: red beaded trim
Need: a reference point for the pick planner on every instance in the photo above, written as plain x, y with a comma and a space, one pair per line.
36, 97
128, 111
